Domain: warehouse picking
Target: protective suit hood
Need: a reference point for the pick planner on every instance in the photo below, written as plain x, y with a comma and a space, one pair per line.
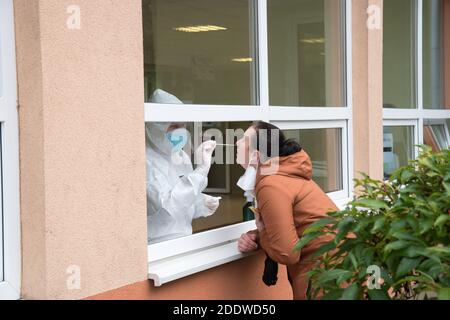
156, 137
156, 132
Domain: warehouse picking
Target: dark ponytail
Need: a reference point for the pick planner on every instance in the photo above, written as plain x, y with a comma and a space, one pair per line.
264, 143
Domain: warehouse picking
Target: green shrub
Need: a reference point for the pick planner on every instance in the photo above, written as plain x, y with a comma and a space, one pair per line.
399, 227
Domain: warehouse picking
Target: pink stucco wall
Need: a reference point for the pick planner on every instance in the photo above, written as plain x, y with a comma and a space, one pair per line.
81, 146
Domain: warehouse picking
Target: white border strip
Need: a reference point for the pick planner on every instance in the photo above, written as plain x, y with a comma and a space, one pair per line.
10, 288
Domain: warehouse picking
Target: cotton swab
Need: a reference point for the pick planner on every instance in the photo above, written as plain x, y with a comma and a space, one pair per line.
225, 145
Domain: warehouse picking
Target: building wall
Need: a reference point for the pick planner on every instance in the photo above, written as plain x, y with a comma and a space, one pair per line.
239, 280
81, 146
367, 91
83, 162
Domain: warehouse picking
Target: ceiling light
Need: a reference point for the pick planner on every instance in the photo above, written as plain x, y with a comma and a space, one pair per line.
317, 40
242, 60
199, 28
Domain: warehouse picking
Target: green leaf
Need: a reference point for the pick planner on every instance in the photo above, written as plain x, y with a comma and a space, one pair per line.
331, 275
414, 251
406, 175
406, 236
316, 226
379, 223
353, 259
406, 265
334, 294
343, 278
324, 248
305, 240
396, 245
445, 250
378, 294
351, 292
343, 228
441, 220
426, 225
374, 204
444, 294
427, 163
413, 279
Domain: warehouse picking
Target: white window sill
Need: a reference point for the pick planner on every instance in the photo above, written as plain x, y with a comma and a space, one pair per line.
8, 292
172, 260
180, 266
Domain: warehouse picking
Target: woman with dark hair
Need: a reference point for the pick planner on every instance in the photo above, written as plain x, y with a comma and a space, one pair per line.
287, 198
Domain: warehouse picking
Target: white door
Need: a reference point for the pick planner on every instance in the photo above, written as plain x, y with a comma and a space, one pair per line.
9, 164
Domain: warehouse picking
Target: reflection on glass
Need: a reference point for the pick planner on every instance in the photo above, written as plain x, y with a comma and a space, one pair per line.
324, 148
398, 148
176, 205
436, 135
398, 54
224, 173
201, 51
306, 41
436, 54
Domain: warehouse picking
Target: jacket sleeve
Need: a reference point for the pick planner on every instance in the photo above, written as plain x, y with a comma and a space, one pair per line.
279, 236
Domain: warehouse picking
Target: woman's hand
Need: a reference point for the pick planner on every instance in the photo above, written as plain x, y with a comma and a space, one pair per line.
247, 242
259, 223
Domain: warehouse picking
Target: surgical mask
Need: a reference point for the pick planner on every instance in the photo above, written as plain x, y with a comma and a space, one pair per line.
178, 139
248, 180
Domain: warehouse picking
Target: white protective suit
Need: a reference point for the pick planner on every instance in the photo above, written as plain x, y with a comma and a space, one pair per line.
174, 189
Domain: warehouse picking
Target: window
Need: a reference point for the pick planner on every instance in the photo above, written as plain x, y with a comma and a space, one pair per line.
324, 146
436, 54
9, 164
221, 65
436, 134
306, 53
415, 81
203, 52
399, 90
398, 142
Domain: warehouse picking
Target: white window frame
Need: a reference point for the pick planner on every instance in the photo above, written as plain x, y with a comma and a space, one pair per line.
342, 196
10, 286
417, 115
177, 258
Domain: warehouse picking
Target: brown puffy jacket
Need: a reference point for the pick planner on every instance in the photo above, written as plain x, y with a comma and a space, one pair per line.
288, 202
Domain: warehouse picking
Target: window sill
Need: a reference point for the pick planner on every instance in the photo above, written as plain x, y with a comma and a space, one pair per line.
8, 292
171, 260
177, 267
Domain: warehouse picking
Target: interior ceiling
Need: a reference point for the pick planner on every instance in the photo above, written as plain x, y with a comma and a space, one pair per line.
220, 47
175, 47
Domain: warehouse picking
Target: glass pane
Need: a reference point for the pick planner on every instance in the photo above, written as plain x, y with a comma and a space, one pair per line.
200, 51
398, 54
306, 40
398, 148
174, 210
436, 54
324, 146
436, 135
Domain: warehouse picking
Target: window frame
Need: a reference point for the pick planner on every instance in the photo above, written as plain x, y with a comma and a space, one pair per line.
9, 142
305, 117
419, 114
